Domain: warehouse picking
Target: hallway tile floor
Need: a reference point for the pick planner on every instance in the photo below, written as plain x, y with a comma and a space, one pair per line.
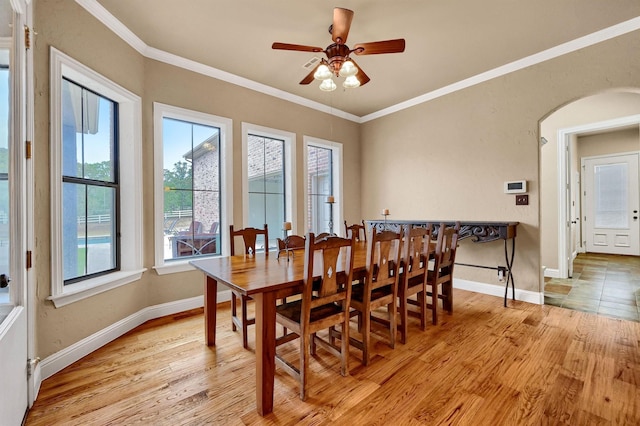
605, 284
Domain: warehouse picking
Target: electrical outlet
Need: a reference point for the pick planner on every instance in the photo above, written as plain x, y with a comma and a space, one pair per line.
522, 200
501, 272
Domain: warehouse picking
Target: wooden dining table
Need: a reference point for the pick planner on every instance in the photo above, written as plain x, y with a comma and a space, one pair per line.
265, 279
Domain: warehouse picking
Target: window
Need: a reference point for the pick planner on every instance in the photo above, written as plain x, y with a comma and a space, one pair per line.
268, 183
192, 162
90, 189
323, 179
96, 182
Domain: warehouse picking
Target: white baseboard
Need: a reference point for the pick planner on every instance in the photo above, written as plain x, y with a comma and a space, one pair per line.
551, 273
59, 360
497, 290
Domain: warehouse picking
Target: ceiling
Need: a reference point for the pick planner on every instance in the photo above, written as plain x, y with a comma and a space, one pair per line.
447, 42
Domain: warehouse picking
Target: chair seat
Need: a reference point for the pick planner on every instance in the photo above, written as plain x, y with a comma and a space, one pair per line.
292, 311
357, 293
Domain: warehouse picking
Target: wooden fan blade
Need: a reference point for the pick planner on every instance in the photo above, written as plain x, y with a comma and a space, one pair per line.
341, 24
361, 76
376, 47
298, 47
309, 78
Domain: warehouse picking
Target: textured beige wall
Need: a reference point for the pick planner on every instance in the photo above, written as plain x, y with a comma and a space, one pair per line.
591, 109
68, 27
448, 158
627, 140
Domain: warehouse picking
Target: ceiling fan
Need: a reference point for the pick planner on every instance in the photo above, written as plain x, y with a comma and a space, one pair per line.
338, 61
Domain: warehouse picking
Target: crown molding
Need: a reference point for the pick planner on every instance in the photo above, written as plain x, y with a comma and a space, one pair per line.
100, 13
111, 22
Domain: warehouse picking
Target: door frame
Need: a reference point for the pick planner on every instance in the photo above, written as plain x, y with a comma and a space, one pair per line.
564, 182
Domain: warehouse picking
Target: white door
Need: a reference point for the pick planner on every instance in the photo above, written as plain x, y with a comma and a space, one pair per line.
611, 204
13, 313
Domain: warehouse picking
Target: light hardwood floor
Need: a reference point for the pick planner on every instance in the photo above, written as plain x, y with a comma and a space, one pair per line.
485, 364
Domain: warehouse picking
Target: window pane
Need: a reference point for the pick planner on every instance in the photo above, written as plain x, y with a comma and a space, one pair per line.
256, 164
74, 230
266, 185
101, 234
71, 126
88, 134
320, 186
206, 175
611, 196
99, 137
274, 217
192, 189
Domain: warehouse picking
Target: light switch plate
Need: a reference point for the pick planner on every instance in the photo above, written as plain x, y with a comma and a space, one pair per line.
522, 200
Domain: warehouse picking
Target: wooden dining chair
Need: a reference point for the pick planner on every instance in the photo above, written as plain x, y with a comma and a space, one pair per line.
326, 295
249, 237
416, 252
322, 236
379, 289
292, 243
360, 231
440, 278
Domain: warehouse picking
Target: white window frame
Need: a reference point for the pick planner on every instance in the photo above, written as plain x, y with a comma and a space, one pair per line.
161, 111
130, 160
289, 139
337, 166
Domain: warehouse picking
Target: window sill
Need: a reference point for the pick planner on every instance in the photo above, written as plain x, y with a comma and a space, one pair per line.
174, 267
82, 290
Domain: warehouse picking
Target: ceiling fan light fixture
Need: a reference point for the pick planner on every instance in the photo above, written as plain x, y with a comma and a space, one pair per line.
348, 69
328, 85
322, 73
351, 82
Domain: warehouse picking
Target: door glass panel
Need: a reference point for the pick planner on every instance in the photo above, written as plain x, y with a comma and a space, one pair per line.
4, 175
611, 196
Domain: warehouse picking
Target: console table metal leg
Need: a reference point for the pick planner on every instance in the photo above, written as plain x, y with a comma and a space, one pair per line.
509, 261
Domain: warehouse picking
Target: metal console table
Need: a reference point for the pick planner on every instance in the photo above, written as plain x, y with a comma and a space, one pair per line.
479, 232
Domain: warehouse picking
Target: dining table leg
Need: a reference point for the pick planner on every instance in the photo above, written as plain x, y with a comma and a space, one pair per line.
265, 304
210, 301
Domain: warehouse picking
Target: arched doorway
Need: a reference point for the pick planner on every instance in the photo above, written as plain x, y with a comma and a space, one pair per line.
598, 125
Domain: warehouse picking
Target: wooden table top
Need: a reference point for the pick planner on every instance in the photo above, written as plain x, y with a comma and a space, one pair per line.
259, 273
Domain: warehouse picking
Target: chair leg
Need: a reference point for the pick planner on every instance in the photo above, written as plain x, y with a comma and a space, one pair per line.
404, 314
234, 313
344, 348
366, 336
422, 303
434, 305
393, 326
304, 362
447, 292
245, 339
312, 344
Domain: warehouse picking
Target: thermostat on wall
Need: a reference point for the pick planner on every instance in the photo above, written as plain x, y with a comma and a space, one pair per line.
515, 187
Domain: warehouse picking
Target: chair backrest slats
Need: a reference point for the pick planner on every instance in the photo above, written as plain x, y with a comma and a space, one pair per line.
417, 250
446, 247
360, 231
383, 259
249, 236
328, 272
